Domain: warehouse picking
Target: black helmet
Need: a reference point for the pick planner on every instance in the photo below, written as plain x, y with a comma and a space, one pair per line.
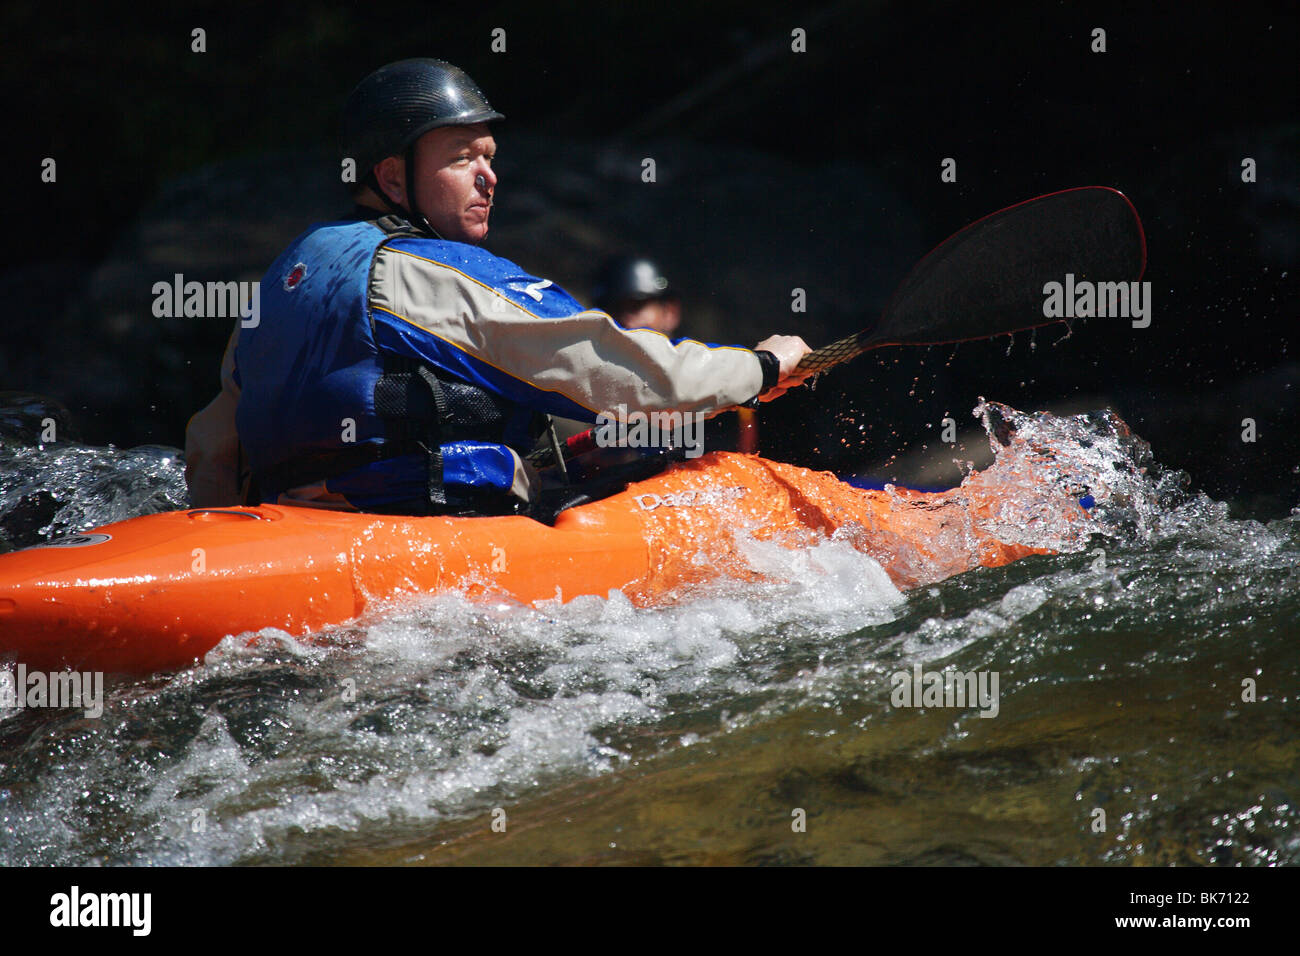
628, 278
397, 104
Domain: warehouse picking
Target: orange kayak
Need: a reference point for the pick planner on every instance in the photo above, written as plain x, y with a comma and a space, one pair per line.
159, 591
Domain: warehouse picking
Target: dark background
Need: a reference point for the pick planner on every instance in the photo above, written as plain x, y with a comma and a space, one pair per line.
818, 170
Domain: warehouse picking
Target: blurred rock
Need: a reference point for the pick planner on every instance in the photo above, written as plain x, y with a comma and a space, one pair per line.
29, 419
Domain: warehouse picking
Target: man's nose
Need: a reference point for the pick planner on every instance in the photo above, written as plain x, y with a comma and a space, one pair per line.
486, 180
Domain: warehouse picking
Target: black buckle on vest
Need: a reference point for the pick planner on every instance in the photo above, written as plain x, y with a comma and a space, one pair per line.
412, 404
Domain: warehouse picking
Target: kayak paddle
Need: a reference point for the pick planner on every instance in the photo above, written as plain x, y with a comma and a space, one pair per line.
987, 279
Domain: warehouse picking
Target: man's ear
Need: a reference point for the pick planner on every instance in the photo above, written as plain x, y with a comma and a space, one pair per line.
391, 174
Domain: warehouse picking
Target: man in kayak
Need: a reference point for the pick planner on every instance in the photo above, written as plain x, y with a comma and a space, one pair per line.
637, 295
397, 367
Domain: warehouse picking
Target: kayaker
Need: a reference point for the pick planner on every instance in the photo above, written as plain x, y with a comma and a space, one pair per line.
637, 295
399, 368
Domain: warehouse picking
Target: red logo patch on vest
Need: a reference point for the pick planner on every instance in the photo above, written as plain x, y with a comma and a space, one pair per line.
295, 276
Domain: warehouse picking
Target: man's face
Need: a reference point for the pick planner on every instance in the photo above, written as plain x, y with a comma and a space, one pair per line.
448, 162
662, 315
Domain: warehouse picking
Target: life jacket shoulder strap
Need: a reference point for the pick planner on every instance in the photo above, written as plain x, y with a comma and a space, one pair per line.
410, 400
395, 227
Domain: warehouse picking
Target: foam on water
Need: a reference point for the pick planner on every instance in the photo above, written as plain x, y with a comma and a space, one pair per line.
50, 491
458, 706
377, 733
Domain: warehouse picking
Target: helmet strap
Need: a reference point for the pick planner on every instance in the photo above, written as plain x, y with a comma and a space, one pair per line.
417, 217
412, 215
372, 182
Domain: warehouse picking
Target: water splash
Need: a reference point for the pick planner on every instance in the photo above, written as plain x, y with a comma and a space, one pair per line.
59, 488
747, 696
56, 490
1093, 458
456, 706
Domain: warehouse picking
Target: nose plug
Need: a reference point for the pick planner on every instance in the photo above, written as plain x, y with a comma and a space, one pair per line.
481, 182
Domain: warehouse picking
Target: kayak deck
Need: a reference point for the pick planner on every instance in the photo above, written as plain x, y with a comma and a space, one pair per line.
159, 591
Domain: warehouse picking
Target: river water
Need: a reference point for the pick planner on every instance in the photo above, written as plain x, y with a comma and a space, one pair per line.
1145, 708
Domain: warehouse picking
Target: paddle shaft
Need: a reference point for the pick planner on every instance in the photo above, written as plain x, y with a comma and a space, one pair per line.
988, 278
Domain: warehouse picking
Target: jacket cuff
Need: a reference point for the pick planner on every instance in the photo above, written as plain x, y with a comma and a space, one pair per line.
771, 374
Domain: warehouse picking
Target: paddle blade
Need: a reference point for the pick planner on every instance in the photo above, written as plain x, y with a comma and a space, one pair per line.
988, 279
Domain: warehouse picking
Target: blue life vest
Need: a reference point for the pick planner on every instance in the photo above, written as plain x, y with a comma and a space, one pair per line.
322, 400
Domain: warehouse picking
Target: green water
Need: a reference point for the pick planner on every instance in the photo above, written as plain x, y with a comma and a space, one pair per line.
1141, 719
1145, 712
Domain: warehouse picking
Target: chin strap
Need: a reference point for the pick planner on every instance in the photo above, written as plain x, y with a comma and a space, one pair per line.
412, 215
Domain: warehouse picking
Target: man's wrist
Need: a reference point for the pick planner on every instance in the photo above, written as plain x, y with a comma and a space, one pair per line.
771, 366
771, 369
